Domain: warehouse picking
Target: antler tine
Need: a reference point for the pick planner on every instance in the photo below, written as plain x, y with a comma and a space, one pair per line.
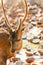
26, 11
6, 20
21, 21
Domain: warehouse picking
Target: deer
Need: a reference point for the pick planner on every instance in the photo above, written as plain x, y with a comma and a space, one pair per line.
12, 42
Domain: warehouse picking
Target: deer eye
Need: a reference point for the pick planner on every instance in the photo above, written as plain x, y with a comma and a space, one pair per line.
39, 23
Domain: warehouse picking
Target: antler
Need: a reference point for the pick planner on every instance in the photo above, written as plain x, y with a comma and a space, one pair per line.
21, 21
6, 20
26, 11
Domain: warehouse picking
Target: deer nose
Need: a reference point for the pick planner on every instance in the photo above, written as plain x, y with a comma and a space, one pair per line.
12, 50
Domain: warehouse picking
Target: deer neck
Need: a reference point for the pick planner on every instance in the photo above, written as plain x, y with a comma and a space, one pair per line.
3, 57
2, 60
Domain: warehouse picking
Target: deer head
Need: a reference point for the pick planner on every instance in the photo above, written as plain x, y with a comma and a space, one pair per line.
15, 36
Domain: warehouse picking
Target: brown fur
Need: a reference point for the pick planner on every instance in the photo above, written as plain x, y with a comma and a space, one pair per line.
5, 48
